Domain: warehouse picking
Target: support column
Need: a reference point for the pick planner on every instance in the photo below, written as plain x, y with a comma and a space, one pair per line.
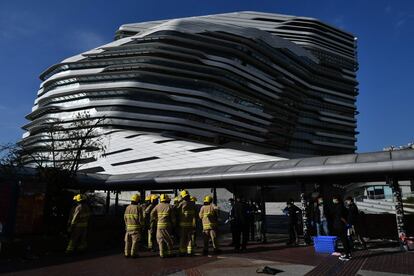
108, 202
399, 210
116, 201
215, 196
142, 194
303, 200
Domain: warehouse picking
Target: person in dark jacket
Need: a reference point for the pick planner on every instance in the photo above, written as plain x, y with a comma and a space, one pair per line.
261, 221
240, 223
340, 226
230, 220
353, 221
293, 212
252, 211
320, 218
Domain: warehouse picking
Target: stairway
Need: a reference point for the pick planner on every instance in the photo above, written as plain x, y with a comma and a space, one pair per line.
381, 206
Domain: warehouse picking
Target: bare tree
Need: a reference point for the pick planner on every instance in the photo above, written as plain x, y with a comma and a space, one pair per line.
84, 140
69, 144
9, 154
65, 146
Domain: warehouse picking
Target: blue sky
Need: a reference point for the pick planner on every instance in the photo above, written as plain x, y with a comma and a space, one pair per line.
38, 34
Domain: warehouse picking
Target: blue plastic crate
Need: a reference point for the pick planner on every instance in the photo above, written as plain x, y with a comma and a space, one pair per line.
325, 244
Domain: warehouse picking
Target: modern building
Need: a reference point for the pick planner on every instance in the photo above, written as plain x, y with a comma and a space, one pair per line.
210, 90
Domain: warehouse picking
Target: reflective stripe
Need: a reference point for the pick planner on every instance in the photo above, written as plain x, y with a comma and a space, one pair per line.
163, 214
80, 224
162, 224
208, 226
133, 226
188, 212
165, 253
133, 216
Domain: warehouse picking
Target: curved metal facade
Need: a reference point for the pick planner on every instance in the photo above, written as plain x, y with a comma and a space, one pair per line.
275, 84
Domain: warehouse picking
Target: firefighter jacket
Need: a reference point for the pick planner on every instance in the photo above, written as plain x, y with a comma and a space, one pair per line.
133, 217
209, 216
187, 214
163, 214
147, 214
80, 216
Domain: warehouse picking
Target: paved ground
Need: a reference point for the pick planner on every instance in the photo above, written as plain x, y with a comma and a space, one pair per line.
377, 261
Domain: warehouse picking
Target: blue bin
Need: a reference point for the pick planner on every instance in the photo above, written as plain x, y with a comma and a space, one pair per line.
325, 244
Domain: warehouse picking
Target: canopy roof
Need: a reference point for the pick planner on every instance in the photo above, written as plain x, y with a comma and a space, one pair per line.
339, 169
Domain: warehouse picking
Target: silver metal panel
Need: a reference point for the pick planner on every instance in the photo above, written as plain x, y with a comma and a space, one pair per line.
373, 157
312, 161
341, 159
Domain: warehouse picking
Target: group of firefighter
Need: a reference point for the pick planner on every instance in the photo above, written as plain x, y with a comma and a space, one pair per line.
157, 220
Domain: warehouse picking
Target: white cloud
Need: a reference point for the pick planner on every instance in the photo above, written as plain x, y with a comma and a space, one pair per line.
399, 17
402, 19
86, 40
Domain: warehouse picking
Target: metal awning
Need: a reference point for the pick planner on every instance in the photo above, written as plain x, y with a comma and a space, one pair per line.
338, 169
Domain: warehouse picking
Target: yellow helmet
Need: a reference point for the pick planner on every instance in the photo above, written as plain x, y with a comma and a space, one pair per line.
79, 197
74, 197
164, 198
148, 198
193, 199
208, 199
184, 193
135, 197
154, 197
176, 199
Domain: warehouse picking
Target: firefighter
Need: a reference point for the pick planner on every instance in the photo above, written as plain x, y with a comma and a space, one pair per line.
152, 228
78, 225
209, 216
163, 216
147, 202
186, 215
145, 227
72, 210
134, 219
176, 229
193, 236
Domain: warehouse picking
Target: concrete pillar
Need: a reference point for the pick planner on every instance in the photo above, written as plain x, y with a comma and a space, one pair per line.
116, 202
142, 194
215, 196
399, 210
108, 202
304, 208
